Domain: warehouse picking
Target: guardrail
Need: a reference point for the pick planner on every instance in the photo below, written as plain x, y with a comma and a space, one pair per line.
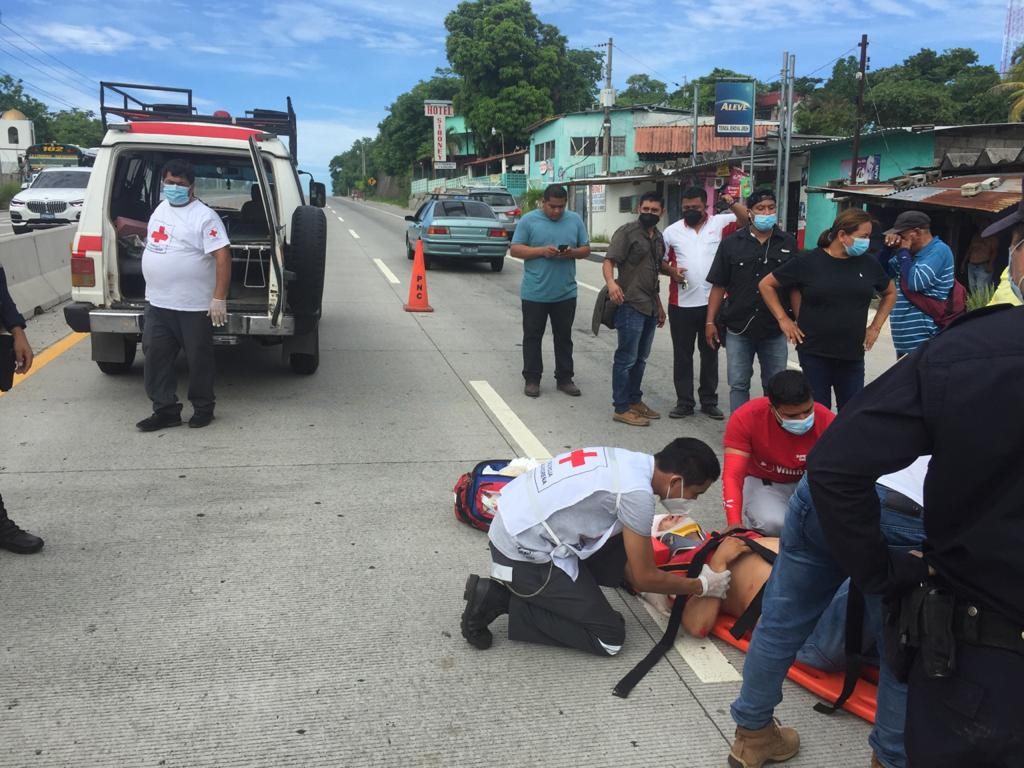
38, 267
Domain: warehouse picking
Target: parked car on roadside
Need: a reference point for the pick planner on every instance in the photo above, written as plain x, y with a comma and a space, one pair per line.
457, 229
500, 199
53, 198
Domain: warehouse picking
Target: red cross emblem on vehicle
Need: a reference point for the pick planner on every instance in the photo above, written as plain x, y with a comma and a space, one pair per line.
213, 233
160, 235
578, 457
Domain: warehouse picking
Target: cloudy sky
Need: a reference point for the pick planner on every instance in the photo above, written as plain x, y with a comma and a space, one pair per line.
343, 62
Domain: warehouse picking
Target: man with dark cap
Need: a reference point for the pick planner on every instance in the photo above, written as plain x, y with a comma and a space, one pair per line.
925, 264
12, 538
965, 626
743, 258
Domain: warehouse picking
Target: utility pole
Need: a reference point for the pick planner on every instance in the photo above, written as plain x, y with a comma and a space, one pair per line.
362, 149
860, 105
607, 99
696, 123
780, 152
784, 200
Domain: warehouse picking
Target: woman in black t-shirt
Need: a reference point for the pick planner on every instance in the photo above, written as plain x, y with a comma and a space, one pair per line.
836, 283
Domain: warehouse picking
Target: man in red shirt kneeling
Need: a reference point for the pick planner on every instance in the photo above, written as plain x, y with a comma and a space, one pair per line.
766, 444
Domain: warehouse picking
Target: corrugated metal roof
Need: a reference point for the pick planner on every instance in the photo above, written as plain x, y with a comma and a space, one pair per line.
678, 139
944, 193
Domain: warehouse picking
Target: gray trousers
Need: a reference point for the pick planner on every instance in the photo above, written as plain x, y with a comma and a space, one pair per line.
165, 333
566, 613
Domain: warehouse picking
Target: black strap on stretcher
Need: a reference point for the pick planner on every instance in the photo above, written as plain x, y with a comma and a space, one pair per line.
693, 569
854, 648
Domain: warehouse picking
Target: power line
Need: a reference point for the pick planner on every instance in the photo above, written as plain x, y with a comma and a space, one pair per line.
64, 82
647, 69
829, 63
39, 90
92, 82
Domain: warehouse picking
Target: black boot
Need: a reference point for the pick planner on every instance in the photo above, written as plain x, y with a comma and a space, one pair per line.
13, 539
486, 600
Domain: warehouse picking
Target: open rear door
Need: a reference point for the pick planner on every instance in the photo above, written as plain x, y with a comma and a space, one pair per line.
276, 283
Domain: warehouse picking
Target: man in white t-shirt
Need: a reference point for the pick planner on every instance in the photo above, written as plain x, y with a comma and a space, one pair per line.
187, 267
690, 247
575, 523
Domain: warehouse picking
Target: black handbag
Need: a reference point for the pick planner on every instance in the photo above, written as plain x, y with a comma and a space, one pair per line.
7, 362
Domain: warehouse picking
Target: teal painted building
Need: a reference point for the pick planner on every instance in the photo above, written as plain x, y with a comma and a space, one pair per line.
884, 155
570, 146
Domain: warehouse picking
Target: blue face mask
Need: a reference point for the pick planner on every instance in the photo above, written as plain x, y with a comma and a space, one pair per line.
765, 221
175, 194
797, 426
859, 246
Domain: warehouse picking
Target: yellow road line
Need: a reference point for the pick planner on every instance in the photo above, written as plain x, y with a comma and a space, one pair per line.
48, 355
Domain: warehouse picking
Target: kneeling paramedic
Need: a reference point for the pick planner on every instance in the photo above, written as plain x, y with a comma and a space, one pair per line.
575, 523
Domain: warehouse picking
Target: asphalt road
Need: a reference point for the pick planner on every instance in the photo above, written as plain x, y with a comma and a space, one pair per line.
283, 587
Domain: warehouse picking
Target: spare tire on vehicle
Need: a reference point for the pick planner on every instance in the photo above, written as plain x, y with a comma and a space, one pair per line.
306, 257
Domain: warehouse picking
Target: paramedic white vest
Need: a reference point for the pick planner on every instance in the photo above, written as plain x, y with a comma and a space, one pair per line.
566, 480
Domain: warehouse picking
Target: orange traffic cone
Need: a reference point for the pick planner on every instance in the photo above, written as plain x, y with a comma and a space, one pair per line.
418, 285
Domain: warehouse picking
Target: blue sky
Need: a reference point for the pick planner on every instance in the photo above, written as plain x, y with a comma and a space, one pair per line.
343, 62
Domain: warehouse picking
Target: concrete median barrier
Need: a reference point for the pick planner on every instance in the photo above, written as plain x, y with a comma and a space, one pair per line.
38, 268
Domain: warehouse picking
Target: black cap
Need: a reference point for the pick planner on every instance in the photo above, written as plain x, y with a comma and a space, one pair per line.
758, 195
909, 220
1007, 221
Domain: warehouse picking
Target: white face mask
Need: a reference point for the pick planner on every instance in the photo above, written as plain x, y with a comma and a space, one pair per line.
677, 506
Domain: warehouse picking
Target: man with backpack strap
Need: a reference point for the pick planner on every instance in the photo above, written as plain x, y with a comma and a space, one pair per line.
575, 523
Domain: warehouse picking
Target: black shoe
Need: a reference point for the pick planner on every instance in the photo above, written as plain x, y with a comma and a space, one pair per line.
569, 388
13, 539
486, 600
159, 421
712, 412
680, 412
200, 419
532, 389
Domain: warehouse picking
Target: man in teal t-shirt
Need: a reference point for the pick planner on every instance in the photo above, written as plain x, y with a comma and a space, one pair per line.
549, 240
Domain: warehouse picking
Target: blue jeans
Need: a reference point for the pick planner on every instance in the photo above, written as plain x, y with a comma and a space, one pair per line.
636, 334
802, 585
978, 277
739, 359
824, 374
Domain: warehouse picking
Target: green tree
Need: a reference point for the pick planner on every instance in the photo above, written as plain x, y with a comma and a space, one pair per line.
642, 89
347, 168
682, 98
405, 134
514, 69
13, 96
76, 126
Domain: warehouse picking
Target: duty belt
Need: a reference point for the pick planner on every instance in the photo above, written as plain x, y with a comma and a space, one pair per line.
982, 626
905, 505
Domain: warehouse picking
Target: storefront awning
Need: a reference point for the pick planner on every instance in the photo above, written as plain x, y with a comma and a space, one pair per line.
948, 193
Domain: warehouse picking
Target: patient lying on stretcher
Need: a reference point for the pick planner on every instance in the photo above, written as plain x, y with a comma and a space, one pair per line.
824, 649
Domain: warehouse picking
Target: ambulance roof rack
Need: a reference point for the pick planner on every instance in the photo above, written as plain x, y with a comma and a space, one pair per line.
128, 104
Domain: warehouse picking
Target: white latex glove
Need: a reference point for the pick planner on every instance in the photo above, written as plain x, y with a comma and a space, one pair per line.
713, 583
218, 311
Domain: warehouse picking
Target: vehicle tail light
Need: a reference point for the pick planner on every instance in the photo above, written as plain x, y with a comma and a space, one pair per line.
516, 213
496, 233
83, 268
437, 230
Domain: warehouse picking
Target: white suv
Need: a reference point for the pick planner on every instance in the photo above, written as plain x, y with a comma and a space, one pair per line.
249, 177
53, 199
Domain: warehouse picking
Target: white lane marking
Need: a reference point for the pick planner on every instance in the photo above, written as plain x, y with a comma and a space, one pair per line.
341, 220
387, 272
702, 655
353, 233
528, 445
389, 213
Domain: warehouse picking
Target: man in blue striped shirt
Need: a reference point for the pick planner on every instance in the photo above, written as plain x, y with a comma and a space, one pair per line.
931, 272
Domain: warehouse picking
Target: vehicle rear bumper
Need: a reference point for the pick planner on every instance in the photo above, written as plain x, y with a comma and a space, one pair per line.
131, 321
455, 251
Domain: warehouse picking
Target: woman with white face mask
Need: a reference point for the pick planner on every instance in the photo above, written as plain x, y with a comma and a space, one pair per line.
835, 285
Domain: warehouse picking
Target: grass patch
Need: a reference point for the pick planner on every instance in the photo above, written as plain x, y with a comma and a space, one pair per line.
7, 191
980, 297
599, 239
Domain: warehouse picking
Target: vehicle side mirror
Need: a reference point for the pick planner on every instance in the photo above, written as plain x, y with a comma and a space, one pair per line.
410, 218
317, 194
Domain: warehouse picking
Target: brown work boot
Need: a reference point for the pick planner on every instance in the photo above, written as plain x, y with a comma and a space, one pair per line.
771, 744
644, 410
632, 418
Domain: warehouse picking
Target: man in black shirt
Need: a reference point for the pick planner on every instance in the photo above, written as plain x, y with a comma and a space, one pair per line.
742, 260
636, 250
957, 397
12, 538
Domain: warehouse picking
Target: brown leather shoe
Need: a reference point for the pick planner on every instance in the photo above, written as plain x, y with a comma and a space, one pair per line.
532, 389
644, 410
632, 418
569, 388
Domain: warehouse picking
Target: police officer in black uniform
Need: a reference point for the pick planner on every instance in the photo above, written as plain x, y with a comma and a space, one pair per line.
959, 397
17, 347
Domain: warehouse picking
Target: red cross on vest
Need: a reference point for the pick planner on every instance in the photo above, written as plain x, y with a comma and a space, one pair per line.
160, 235
578, 457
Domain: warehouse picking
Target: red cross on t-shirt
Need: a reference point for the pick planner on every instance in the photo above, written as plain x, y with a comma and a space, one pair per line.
213, 233
160, 235
578, 457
